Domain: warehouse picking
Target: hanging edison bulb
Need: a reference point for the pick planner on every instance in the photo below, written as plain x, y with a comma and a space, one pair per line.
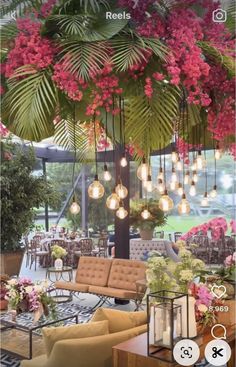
112, 201
143, 171
192, 190
160, 186
173, 185
174, 156
173, 175
106, 174
183, 206
121, 212
166, 203
205, 201
121, 191
200, 161
95, 189
123, 161
145, 214
194, 166
213, 193
218, 152
187, 178
74, 208
148, 184
180, 190
179, 165
160, 175
195, 176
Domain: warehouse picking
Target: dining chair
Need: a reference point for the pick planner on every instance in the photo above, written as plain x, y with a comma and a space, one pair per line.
37, 253
86, 246
177, 236
159, 234
102, 247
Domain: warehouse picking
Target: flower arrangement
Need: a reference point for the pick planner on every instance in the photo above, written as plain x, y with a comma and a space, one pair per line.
58, 252
157, 218
217, 226
25, 296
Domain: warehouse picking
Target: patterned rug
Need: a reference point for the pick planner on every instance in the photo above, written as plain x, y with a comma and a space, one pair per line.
9, 359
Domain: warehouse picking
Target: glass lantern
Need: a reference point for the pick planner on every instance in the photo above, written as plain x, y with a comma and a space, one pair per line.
165, 323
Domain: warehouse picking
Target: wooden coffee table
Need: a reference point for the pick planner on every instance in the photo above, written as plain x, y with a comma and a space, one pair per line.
133, 352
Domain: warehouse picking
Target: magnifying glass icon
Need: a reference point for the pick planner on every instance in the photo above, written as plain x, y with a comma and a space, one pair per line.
223, 331
186, 352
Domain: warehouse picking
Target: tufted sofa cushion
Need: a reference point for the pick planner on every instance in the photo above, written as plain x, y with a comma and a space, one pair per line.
125, 273
93, 271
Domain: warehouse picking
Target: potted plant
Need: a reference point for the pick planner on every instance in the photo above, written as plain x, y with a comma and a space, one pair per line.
21, 192
146, 227
58, 252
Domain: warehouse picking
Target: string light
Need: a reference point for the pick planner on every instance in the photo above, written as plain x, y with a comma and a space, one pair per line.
174, 155
96, 189
179, 165
173, 186
195, 176
187, 178
148, 184
166, 203
123, 161
180, 189
173, 175
200, 162
160, 186
145, 214
218, 152
112, 201
143, 171
74, 208
183, 206
213, 193
106, 174
194, 166
205, 201
121, 212
192, 190
121, 190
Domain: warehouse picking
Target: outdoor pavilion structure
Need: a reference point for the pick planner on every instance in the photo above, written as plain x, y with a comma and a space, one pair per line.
49, 152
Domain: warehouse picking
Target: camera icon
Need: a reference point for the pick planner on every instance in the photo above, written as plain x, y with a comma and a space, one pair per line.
219, 16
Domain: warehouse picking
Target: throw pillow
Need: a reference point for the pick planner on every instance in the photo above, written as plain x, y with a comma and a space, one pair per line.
120, 320
53, 334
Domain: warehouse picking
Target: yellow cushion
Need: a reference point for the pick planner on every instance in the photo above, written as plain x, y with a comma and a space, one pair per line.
120, 320
53, 334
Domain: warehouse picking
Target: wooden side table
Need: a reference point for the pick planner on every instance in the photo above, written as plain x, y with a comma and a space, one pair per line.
133, 352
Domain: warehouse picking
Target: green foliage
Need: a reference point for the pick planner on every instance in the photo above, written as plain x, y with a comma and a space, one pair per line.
21, 192
157, 218
58, 252
158, 276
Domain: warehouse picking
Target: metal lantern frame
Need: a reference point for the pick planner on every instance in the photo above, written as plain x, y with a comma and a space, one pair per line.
167, 298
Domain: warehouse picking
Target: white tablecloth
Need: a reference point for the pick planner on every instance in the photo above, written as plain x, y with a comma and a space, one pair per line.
139, 248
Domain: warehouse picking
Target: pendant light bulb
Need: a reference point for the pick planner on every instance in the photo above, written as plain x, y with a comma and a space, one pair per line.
173, 185
174, 156
123, 161
218, 152
112, 201
166, 203
143, 171
106, 174
213, 193
160, 174
173, 176
183, 206
95, 189
148, 184
121, 191
179, 166
192, 190
160, 186
195, 176
121, 212
187, 178
180, 190
145, 214
205, 201
200, 161
194, 166
74, 208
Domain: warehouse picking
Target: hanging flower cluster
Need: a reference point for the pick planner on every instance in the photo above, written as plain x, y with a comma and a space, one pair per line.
29, 48
217, 226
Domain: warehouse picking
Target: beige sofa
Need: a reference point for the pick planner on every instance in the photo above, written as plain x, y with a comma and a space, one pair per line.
64, 348
115, 278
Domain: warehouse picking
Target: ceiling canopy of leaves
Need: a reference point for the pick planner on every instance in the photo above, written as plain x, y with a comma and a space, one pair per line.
64, 63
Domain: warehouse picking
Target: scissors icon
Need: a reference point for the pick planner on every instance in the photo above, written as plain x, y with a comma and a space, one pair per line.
217, 352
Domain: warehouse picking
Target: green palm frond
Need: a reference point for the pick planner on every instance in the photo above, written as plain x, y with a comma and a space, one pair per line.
231, 17
70, 25
8, 31
212, 52
94, 5
72, 136
84, 57
151, 120
19, 6
129, 50
29, 105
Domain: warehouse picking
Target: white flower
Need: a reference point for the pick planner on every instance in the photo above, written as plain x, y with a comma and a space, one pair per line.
198, 264
180, 244
29, 289
186, 275
12, 282
202, 308
38, 288
185, 253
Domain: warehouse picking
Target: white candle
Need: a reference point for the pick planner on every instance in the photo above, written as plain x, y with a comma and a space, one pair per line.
158, 324
166, 336
191, 312
178, 323
151, 326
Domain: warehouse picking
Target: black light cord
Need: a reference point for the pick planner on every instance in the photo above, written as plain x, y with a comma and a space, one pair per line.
95, 144
73, 168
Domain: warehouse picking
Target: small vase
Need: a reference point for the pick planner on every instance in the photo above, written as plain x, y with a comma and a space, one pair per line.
146, 234
38, 313
58, 264
13, 315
